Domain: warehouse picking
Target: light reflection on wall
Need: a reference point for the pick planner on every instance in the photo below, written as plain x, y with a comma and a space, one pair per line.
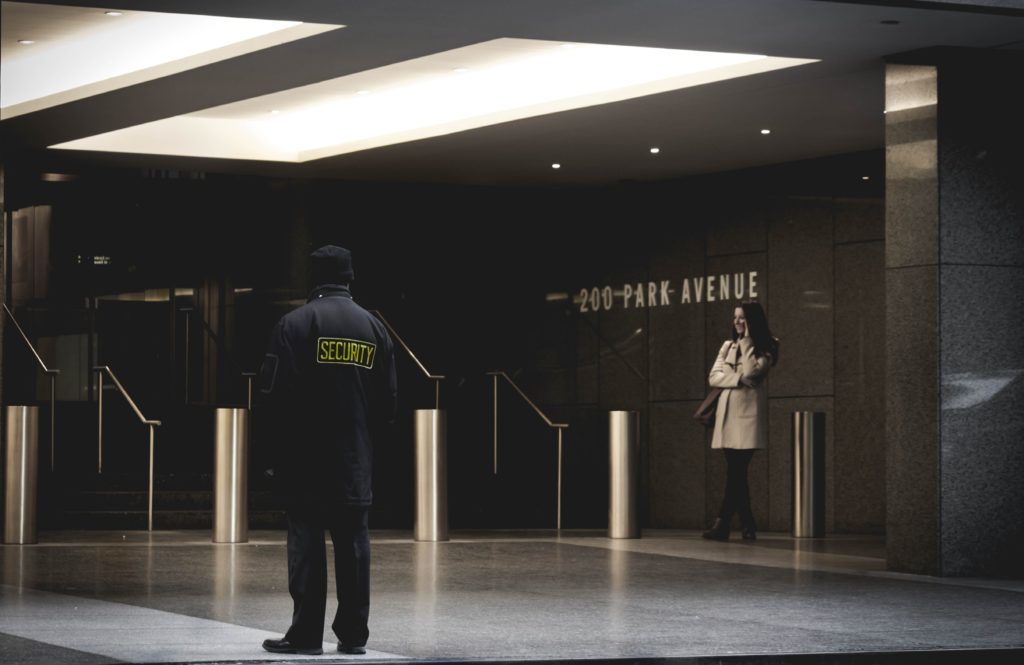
965, 390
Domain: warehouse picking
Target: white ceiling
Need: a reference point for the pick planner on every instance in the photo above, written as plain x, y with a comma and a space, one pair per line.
830, 107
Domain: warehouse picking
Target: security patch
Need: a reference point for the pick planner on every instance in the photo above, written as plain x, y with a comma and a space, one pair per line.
338, 351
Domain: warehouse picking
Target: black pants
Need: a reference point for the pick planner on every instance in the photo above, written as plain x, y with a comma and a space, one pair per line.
737, 490
307, 574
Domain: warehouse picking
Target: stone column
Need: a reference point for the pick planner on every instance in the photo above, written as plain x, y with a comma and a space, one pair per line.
3, 286
954, 263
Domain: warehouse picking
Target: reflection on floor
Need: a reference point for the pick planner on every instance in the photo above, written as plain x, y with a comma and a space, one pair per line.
106, 597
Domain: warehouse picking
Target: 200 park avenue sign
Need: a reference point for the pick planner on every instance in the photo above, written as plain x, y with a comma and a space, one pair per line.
704, 289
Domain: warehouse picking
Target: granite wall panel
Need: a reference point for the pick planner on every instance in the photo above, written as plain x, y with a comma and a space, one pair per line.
676, 339
800, 303
911, 159
859, 220
859, 422
982, 430
676, 466
912, 418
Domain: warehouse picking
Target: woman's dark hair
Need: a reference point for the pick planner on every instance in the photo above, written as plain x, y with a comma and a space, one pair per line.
760, 334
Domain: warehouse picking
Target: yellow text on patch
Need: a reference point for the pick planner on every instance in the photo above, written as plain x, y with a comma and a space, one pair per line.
339, 351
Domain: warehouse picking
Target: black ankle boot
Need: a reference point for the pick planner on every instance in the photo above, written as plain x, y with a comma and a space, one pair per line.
750, 529
718, 531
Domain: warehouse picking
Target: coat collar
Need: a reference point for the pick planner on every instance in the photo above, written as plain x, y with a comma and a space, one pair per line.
328, 291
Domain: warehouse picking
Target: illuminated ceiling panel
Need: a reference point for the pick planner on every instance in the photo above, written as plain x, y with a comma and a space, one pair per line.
482, 84
76, 52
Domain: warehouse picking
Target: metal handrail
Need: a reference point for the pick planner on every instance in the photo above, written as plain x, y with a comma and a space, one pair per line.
100, 369
436, 378
249, 376
614, 349
52, 373
557, 426
220, 350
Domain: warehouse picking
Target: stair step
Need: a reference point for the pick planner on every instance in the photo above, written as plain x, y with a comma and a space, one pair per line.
162, 519
166, 500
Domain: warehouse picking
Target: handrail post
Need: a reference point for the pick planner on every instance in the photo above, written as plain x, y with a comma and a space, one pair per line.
99, 420
558, 519
249, 377
152, 430
53, 419
187, 335
495, 424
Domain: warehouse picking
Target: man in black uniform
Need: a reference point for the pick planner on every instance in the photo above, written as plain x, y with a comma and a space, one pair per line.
328, 375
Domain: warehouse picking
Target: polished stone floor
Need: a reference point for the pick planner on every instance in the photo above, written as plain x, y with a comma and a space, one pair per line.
175, 597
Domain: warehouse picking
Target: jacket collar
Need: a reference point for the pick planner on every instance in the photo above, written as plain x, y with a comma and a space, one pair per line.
329, 290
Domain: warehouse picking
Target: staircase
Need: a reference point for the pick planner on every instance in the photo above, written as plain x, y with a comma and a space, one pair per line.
114, 501
77, 496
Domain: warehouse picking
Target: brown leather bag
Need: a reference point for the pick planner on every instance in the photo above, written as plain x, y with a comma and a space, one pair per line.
705, 413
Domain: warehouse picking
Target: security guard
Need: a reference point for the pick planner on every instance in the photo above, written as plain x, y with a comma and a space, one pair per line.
328, 376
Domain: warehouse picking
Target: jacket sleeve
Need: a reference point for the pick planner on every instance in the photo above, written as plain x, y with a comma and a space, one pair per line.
722, 375
273, 401
755, 368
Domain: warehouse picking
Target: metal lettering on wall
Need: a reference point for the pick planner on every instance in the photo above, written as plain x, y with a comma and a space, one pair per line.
707, 288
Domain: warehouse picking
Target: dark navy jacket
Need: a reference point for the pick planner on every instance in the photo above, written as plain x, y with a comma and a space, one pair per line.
328, 378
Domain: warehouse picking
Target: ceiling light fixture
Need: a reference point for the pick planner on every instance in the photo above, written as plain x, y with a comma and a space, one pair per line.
80, 53
556, 166
26, 42
508, 79
766, 131
113, 13
655, 151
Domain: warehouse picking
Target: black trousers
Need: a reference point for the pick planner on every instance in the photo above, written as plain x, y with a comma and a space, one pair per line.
307, 573
737, 489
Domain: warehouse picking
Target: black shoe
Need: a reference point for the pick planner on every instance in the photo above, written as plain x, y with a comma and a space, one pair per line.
353, 650
718, 531
284, 646
749, 528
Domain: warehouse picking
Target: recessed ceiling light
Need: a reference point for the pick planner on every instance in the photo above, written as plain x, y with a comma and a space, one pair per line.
26, 42
114, 13
766, 131
57, 177
655, 151
510, 79
865, 177
83, 54
556, 166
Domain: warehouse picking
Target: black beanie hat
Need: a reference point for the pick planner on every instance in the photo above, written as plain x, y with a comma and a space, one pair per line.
332, 265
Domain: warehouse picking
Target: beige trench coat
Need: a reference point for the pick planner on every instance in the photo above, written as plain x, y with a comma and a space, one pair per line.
741, 420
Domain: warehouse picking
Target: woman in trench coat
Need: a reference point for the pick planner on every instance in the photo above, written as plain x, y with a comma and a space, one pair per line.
741, 420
